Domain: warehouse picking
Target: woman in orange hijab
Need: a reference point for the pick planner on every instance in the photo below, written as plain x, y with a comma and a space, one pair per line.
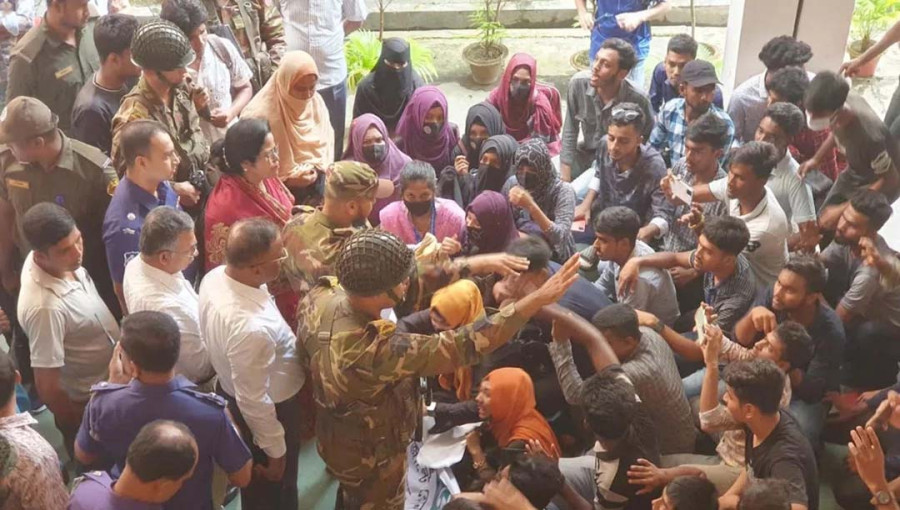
298, 119
453, 306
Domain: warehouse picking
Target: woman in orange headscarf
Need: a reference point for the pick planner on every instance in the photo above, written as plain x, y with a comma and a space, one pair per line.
298, 119
453, 306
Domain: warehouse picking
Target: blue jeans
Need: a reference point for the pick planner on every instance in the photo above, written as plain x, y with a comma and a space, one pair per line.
637, 77
694, 383
336, 102
811, 418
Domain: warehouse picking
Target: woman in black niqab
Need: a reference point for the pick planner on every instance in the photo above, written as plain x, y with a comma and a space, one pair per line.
385, 91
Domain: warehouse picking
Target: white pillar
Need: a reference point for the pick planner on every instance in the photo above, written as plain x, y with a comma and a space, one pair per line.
826, 28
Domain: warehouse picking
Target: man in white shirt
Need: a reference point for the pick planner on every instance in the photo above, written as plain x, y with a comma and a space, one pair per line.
154, 282
318, 27
253, 352
70, 328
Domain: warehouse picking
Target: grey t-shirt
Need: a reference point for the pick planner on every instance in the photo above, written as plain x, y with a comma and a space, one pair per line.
867, 143
865, 295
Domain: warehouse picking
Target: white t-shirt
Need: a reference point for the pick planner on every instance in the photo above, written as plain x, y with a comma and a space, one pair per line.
220, 79
769, 229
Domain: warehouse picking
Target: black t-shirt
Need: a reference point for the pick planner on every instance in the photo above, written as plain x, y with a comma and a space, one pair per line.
787, 455
92, 115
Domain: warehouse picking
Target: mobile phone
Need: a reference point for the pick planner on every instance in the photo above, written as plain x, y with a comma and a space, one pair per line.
700, 322
682, 191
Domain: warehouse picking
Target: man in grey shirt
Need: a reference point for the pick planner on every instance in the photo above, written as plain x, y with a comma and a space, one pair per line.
870, 312
649, 364
590, 100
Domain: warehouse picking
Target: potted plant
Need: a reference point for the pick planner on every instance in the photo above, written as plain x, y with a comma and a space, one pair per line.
363, 49
869, 18
486, 57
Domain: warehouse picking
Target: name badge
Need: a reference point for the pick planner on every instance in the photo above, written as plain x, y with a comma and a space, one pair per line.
15, 183
64, 72
238, 22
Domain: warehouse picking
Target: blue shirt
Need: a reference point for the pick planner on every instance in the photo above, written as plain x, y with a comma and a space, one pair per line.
606, 26
583, 297
129, 205
661, 90
117, 412
671, 128
94, 492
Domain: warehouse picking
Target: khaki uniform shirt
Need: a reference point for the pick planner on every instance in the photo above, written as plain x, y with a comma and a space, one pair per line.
48, 69
260, 14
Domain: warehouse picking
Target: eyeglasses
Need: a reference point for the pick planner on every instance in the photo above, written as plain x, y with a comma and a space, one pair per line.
271, 154
284, 256
625, 115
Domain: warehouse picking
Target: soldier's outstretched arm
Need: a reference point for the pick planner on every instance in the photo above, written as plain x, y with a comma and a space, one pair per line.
395, 355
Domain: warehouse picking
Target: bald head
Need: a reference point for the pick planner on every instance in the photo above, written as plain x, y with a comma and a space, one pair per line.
248, 240
163, 449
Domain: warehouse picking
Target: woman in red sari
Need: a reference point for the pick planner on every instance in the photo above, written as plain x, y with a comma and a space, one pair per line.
530, 109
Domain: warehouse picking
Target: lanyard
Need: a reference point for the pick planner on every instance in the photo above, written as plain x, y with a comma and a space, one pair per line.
431, 230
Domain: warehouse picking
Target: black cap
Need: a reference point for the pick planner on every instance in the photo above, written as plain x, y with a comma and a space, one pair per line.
699, 73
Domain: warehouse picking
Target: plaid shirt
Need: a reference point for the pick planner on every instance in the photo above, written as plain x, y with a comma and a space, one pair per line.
807, 142
732, 298
671, 128
680, 237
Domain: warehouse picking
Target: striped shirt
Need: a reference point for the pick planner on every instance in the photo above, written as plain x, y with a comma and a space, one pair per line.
317, 27
733, 297
671, 128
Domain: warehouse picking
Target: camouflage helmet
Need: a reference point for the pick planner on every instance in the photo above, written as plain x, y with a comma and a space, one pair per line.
160, 45
373, 261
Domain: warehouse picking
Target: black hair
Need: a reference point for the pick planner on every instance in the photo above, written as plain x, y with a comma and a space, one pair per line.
462, 504
783, 51
185, 14
627, 56
637, 116
537, 477
766, 494
761, 157
137, 137
683, 44
113, 34
619, 222
152, 340
727, 233
533, 248
609, 403
692, 493
708, 129
790, 83
811, 269
161, 229
7, 378
788, 116
162, 450
827, 93
242, 142
46, 224
873, 205
248, 239
618, 318
798, 346
415, 171
758, 382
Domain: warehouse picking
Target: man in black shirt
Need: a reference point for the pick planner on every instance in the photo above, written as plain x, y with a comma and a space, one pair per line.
98, 101
775, 447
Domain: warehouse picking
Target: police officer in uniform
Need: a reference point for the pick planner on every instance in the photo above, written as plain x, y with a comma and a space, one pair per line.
39, 163
365, 372
115, 414
54, 59
257, 28
164, 94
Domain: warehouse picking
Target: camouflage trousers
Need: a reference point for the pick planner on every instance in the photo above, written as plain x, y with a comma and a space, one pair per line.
382, 489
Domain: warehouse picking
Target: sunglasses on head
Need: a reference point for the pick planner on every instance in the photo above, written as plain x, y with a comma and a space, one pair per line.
625, 115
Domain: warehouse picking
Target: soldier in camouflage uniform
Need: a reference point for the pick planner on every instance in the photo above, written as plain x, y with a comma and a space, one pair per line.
258, 30
365, 372
163, 52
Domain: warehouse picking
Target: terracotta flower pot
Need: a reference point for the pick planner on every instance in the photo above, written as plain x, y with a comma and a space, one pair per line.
867, 70
486, 69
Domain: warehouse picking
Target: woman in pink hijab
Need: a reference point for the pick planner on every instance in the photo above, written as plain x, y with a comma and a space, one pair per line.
370, 144
424, 132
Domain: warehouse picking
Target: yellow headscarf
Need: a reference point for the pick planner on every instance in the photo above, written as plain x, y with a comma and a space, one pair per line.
459, 303
301, 127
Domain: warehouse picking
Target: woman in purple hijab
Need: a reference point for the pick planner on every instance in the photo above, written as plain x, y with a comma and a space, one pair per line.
490, 225
424, 133
370, 144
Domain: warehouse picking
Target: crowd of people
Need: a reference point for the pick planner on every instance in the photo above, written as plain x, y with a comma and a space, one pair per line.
651, 298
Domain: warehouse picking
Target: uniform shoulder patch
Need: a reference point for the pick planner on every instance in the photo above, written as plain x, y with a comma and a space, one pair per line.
90, 153
105, 386
30, 44
207, 397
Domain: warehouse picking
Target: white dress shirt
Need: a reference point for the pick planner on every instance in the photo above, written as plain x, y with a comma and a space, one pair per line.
253, 351
68, 326
317, 27
147, 288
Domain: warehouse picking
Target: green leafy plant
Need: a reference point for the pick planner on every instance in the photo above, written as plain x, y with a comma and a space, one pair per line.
871, 17
363, 49
490, 31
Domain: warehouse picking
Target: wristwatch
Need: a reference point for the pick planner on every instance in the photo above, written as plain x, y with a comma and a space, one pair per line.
658, 327
883, 497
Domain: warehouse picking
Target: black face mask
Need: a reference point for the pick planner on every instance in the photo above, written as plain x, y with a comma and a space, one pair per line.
519, 91
475, 144
418, 208
375, 153
433, 129
474, 235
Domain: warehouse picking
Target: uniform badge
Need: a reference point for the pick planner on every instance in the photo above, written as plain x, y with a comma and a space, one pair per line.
65, 71
111, 186
60, 200
131, 216
15, 183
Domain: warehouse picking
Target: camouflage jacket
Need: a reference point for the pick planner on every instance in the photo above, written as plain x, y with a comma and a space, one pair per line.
181, 120
262, 14
365, 375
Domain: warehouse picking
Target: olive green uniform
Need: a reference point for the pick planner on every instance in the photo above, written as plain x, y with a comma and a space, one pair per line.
83, 182
43, 67
365, 377
257, 27
180, 119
